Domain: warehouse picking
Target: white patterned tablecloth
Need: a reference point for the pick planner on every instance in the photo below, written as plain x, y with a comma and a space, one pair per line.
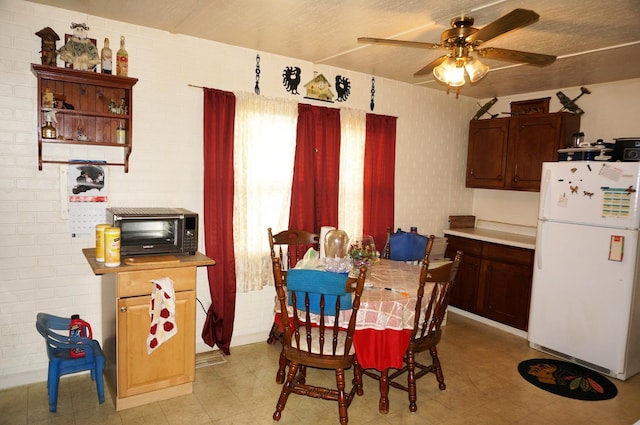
389, 298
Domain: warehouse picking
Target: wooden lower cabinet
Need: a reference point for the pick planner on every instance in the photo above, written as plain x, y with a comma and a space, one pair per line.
494, 280
172, 363
464, 293
134, 376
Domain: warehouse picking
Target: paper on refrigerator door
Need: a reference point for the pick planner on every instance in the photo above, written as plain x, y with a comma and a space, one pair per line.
616, 248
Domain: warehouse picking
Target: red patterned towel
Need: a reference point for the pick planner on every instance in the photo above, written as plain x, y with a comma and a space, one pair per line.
163, 313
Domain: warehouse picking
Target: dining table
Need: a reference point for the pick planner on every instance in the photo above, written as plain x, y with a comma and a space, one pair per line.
386, 317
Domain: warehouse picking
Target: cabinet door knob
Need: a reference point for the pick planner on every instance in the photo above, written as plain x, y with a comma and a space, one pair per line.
499, 177
123, 309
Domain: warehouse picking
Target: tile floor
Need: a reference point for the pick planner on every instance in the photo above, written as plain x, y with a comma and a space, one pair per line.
483, 387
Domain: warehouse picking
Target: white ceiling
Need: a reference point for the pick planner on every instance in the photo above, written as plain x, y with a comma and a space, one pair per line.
596, 41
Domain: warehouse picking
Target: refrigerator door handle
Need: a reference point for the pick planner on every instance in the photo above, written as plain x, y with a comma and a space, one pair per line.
539, 243
544, 192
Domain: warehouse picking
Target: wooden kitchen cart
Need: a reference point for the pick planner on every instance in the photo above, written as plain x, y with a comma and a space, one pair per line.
93, 97
134, 377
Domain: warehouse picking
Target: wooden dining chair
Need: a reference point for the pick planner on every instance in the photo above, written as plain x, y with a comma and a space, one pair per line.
312, 336
289, 246
426, 333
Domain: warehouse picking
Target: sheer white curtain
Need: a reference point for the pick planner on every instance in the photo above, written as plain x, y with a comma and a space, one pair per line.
264, 149
350, 198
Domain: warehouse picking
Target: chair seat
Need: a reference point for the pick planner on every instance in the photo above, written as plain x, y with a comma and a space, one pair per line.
67, 364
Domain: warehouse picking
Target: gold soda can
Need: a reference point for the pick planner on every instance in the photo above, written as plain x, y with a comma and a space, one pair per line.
100, 242
112, 246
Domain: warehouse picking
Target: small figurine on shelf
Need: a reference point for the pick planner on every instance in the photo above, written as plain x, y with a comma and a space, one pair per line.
80, 50
47, 98
48, 42
120, 109
81, 132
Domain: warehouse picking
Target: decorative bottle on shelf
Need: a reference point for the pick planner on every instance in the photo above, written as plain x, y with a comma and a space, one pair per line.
48, 130
122, 58
106, 56
121, 134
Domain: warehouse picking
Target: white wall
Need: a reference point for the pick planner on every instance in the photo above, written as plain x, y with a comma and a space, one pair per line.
611, 110
41, 265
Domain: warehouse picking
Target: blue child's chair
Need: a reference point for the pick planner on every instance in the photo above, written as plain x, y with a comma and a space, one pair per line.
60, 361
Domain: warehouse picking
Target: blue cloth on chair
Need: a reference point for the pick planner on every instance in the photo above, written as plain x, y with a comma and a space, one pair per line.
317, 282
406, 246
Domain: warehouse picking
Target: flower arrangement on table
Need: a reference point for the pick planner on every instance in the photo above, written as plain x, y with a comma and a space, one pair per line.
363, 252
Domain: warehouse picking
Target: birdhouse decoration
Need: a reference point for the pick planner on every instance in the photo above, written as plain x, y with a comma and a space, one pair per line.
80, 51
48, 38
319, 88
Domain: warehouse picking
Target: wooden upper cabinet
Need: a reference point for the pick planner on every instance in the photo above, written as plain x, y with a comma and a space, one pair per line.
507, 153
487, 155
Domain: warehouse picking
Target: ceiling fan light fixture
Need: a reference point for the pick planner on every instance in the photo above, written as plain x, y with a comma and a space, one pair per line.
476, 69
450, 73
462, 39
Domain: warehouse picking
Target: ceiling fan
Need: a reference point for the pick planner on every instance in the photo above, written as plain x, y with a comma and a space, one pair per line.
463, 39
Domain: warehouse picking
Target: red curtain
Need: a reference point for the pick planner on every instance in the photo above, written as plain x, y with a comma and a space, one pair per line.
219, 116
379, 176
314, 193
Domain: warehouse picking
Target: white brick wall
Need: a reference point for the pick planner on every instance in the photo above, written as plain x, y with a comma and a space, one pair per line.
42, 267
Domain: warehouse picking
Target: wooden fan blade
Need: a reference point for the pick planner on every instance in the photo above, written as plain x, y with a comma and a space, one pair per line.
517, 18
429, 68
401, 43
516, 56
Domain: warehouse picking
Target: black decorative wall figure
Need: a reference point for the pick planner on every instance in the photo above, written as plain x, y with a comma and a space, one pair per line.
343, 87
373, 93
291, 79
256, 88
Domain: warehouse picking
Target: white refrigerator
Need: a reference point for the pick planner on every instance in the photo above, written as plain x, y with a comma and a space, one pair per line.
585, 305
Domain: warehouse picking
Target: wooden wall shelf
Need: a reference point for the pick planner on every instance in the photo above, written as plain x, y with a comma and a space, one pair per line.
90, 94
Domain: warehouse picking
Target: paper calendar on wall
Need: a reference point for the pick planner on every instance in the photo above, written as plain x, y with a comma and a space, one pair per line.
87, 195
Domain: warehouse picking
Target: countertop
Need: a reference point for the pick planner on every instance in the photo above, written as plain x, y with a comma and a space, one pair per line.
495, 236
